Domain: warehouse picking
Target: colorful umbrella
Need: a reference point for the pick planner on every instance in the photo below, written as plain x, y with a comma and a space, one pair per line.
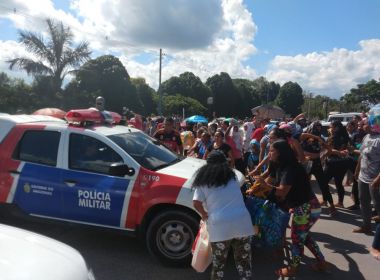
52, 112
196, 119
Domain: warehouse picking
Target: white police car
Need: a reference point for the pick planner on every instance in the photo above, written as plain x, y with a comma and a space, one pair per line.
100, 174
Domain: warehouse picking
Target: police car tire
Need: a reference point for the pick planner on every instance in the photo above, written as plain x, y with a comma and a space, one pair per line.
167, 226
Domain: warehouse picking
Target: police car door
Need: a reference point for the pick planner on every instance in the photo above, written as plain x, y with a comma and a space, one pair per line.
89, 193
38, 186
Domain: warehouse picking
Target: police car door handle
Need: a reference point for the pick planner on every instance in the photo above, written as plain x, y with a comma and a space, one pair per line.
70, 183
14, 171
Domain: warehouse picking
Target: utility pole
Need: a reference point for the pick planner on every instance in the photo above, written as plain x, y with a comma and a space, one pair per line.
159, 87
308, 110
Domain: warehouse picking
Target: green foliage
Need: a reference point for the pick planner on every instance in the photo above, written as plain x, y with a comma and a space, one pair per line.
174, 104
363, 96
319, 106
248, 95
267, 91
75, 97
187, 84
16, 96
105, 76
43, 86
227, 100
56, 56
145, 94
290, 98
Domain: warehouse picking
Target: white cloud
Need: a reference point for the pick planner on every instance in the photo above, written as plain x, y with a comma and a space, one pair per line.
9, 50
31, 15
329, 73
205, 37
227, 52
175, 24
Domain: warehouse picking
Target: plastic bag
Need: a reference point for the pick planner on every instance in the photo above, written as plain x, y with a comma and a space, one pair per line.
202, 255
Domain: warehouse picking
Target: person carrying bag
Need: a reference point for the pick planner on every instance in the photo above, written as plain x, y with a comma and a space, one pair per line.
218, 200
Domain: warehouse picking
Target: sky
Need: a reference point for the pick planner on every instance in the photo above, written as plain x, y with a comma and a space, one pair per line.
326, 46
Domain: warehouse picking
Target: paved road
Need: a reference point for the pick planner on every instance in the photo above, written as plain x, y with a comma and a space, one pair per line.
113, 255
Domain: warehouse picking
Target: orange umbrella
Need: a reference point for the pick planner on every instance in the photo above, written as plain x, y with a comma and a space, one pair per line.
53, 112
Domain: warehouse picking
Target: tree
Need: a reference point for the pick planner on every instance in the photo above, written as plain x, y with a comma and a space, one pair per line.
55, 56
75, 96
42, 86
364, 95
187, 84
174, 104
290, 98
105, 76
248, 96
145, 93
226, 97
16, 96
267, 91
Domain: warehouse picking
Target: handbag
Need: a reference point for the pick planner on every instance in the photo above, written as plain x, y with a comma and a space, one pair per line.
202, 255
270, 220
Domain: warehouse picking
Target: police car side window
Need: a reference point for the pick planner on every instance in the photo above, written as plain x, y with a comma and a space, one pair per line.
38, 146
89, 154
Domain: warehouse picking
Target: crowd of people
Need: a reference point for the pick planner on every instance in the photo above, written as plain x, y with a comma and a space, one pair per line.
282, 155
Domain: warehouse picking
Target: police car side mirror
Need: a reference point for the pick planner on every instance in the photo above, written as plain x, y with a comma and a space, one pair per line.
120, 170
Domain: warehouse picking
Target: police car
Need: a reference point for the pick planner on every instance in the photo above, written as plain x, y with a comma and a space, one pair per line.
86, 171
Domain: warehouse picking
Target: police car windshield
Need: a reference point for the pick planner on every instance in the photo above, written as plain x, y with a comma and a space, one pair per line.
147, 151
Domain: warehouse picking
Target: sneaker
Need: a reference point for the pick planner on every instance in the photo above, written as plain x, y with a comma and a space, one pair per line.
366, 230
353, 207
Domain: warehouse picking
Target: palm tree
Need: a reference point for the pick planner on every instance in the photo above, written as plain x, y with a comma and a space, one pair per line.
55, 56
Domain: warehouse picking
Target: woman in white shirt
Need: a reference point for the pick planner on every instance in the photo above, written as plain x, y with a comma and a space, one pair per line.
219, 201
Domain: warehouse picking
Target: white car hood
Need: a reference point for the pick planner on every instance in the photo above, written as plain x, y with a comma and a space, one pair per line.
25, 255
186, 169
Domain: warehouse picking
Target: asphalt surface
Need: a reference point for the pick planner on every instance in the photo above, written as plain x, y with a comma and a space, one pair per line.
113, 255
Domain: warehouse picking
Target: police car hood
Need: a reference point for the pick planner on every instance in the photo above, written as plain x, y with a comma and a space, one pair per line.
187, 167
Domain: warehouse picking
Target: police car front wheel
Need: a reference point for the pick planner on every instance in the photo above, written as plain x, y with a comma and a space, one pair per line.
170, 236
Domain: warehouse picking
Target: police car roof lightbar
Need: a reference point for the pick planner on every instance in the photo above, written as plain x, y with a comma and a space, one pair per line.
91, 116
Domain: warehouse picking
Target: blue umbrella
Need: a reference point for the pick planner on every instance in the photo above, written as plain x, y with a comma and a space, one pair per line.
196, 119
